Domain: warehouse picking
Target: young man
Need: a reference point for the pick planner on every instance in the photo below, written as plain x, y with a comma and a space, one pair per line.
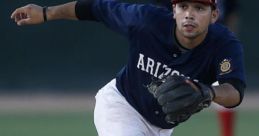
184, 43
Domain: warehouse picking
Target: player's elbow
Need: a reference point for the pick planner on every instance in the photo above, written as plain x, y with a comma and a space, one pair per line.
239, 98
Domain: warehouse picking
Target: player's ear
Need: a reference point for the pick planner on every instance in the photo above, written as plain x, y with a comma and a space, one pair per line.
173, 7
214, 15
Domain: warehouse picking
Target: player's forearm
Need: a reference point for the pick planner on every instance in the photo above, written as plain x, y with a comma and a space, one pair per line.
65, 11
226, 95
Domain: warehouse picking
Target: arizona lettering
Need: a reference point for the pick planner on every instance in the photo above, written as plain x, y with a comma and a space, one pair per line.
155, 68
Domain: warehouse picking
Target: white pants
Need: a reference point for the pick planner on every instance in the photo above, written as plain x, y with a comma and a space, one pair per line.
114, 116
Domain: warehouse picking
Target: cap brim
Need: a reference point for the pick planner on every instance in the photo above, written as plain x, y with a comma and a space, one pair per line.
199, 1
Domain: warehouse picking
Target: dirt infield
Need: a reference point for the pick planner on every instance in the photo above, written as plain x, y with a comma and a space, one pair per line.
75, 103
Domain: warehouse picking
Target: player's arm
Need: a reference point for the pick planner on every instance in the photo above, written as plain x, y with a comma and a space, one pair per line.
33, 14
229, 93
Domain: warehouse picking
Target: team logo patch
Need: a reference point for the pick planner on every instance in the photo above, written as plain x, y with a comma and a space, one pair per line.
225, 67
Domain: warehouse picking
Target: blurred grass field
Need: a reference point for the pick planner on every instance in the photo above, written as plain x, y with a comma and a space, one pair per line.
73, 116
81, 124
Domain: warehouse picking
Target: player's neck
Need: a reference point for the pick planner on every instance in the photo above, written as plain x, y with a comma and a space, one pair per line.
190, 43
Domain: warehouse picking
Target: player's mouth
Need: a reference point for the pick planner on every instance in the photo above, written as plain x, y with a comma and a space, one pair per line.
189, 27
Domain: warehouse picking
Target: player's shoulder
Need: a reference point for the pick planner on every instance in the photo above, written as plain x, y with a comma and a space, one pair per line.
220, 30
221, 34
157, 17
155, 12
222, 38
144, 9
153, 18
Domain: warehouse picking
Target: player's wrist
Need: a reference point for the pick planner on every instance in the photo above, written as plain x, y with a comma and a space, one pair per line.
207, 93
212, 93
44, 10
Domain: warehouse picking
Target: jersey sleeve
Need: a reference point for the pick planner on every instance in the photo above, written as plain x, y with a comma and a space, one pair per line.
229, 62
118, 16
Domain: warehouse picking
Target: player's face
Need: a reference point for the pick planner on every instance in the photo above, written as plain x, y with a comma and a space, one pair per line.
193, 19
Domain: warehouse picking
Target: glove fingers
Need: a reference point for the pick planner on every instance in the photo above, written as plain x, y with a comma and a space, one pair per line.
170, 84
180, 97
180, 105
177, 93
173, 119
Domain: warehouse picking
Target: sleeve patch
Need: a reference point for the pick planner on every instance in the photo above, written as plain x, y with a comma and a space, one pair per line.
225, 67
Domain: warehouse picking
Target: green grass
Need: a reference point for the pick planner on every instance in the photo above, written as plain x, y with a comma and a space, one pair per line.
59, 124
81, 124
206, 124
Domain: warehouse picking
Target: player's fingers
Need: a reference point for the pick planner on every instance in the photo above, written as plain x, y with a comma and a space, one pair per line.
29, 14
180, 92
17, 12
20, 16
14, 14
24, 21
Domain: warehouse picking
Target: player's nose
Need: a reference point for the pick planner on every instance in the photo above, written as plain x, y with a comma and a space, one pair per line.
189, 14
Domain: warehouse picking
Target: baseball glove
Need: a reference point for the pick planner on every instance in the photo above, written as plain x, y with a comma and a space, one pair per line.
180, 97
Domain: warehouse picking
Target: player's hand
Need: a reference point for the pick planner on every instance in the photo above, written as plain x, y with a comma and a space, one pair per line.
29, 14
181, 97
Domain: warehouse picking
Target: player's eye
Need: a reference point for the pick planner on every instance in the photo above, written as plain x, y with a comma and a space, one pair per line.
199, 8
182, 6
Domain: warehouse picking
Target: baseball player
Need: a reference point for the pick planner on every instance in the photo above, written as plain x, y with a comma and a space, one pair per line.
228, 16
174, 57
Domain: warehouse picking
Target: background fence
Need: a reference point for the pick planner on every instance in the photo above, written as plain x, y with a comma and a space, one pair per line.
65, 55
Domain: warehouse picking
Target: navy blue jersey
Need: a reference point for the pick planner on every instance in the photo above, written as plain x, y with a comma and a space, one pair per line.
154, 53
